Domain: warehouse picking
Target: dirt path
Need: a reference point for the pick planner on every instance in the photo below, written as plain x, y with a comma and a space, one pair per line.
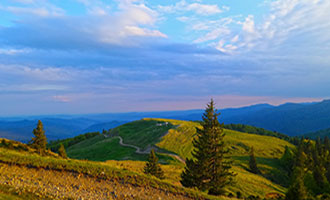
138, 149
147, 151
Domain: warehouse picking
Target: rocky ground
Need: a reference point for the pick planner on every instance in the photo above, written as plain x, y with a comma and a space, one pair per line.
69, 185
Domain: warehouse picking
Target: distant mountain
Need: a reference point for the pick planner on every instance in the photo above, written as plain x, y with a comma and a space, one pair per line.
55, 128
290, 118
320, 133
103, 126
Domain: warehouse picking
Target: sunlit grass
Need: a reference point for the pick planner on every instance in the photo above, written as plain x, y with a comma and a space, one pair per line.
93, 169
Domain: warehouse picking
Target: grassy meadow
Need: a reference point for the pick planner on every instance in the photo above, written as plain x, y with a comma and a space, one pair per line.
102, 157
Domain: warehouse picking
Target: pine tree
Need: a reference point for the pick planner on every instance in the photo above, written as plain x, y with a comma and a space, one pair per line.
210, 168
300, 156
39, 142
318, 146
287, 160
253, 162
326, 143
190, 176
319, 176
62, 152
152, 167
297, 189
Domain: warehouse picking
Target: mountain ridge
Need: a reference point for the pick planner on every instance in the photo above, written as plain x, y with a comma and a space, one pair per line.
289, 118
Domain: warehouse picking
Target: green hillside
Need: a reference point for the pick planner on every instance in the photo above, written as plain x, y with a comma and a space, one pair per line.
26, 175
142, 133
175, 137
100, 148
179, 140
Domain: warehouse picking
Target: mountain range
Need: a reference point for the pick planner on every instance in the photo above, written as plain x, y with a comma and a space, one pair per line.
291, 118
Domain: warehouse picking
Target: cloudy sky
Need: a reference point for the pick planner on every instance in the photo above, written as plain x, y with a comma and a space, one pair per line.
92, 56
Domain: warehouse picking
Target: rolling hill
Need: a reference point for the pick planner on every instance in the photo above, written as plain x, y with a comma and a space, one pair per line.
27, 175
290, 118
174, 137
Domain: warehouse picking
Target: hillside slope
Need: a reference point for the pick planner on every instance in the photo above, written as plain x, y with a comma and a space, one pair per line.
175, 137
25, 173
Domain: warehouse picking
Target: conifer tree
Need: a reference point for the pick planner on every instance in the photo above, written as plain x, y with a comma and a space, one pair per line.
62, 152
253, 162
39, 142
287, 160
209, 169
152, 167
297, 189
319, 174
326, 143
190, 176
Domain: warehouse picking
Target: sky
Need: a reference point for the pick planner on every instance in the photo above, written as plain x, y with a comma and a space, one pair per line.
97, 56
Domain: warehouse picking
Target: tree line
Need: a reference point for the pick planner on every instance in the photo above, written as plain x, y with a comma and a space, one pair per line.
309, 167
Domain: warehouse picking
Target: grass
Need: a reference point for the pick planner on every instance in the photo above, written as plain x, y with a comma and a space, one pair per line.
93, 169
100, 148
10, 193
142, 133
245, 181
145, 133
179, 141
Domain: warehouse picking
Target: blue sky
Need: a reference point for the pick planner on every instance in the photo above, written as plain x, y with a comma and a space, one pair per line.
92, 56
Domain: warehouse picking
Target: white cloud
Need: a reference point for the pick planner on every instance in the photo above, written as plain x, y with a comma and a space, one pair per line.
204, 9
235, 39
41, 9
248, 24
183, 19
129, 24
25, 1
200, 27
197, 8
137, 31
35, 73
291, 25
11, 51
216, 33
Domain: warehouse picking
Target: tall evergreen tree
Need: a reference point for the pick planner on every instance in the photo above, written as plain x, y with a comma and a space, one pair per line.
319, 174
253, 162
326, 143
62, 152
190, 176
39, 142
287, 160
297, 189
152, 167
209, 169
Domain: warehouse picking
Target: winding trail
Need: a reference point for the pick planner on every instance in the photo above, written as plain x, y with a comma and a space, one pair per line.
147, 151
